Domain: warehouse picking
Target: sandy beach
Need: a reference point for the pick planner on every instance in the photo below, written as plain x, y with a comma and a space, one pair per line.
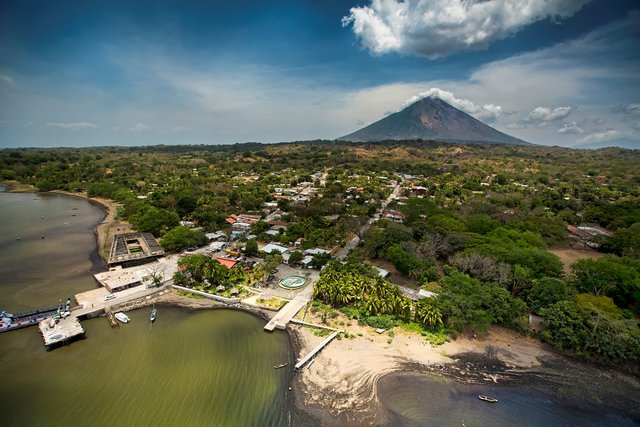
340, 387
348, 369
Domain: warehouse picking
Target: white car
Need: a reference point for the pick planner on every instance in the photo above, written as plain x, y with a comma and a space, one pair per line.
109, 297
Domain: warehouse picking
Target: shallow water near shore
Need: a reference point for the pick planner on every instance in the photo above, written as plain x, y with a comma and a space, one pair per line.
189, 368
419, 400
47, 248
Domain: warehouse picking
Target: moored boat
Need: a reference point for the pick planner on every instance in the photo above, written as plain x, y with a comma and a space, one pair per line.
10, 322
487, 398
282, 365
122, 317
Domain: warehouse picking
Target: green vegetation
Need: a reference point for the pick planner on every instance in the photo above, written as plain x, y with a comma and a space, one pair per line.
471, 223
593, 325
201, 272
181, 238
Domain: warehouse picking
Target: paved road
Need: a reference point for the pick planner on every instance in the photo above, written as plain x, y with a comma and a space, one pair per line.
123, 297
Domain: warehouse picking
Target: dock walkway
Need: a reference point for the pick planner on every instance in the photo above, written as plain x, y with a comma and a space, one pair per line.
111, 318
316, 350
286, 313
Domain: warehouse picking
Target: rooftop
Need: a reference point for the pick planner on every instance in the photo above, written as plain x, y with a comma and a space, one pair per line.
227, 262
132, 248
272, 247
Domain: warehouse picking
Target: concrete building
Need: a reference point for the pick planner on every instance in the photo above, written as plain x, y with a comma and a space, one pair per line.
131, 249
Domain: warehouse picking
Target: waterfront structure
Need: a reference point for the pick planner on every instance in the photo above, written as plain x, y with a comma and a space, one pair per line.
118, 279
60, 331
131, 249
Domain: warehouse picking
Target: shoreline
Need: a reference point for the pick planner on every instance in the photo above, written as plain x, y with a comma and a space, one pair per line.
342, 386
349, 370
102, 230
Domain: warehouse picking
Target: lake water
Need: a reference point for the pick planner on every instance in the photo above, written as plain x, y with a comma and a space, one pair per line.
190, 368
419, 400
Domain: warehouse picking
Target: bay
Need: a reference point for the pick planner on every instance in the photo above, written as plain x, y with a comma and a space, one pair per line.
189, 368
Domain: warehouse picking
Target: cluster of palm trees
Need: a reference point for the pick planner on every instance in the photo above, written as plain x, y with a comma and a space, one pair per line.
343, 285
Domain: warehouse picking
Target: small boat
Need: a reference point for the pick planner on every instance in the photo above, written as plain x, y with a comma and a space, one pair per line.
487, 399
153, 315
122, 317
282, 365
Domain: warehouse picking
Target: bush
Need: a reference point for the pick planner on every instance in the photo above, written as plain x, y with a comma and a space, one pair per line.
546, 292
380, 322
351, 312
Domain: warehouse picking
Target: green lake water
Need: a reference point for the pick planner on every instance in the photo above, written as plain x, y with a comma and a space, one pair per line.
190, 368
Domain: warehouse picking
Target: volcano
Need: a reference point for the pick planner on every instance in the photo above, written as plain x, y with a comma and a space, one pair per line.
431, 119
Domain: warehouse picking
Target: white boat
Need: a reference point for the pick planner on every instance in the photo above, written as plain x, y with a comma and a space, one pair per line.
122, 317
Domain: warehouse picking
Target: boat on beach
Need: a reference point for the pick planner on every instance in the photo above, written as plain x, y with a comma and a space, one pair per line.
487, 398
282, 365
122, 317
153, 315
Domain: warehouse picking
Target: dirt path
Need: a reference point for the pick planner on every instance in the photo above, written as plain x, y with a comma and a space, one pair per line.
569, 255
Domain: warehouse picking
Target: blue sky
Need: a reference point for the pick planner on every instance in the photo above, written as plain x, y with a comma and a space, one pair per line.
83, 73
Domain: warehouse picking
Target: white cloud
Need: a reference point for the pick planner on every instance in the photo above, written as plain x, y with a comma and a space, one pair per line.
487, 112
72, 126
434, 28
606, 135
139, 127
541, 116
571, 127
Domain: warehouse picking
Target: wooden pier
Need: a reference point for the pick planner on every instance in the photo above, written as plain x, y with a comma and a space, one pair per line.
316, 350
111, 318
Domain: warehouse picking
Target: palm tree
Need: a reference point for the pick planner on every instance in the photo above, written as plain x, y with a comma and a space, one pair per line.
428, 313
372, 304
403, 307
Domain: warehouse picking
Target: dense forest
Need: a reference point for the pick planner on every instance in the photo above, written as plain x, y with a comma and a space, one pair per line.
470, 225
